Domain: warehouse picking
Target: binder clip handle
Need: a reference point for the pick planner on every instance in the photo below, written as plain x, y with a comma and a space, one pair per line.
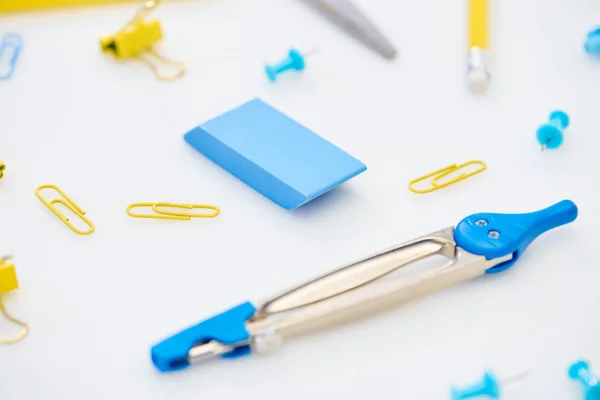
497, 235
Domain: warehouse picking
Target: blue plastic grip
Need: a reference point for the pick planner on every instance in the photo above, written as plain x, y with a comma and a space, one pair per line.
497, 235
227, 328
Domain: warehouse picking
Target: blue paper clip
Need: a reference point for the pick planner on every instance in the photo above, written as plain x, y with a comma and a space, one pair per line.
480, 244
10, 41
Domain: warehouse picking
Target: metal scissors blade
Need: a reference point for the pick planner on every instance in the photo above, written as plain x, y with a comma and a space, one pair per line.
351, 19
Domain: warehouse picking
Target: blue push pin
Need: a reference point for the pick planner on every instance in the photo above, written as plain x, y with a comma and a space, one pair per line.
592, 44
489, 386
550, 135
580, 371
295, 60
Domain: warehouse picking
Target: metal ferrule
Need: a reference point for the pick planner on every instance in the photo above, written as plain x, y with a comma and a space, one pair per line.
478, 60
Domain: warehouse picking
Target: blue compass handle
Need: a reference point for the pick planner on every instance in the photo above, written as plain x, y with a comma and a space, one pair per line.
229, 327
497, 235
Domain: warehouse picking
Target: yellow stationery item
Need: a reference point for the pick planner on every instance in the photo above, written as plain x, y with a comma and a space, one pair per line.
479, 74
7, 6
136, 40
2, 168
160, 213
68, 203
444, 172
478, 24
8, 283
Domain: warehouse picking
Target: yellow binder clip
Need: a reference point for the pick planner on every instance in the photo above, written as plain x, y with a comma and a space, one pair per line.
2, 168
68, 203
444, 172
160, 213
8, 283
136, 40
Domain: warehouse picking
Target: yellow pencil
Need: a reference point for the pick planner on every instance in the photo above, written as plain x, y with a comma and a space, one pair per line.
9, 6
478, 75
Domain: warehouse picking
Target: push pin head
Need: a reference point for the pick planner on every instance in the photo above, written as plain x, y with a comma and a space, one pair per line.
2, 168
592, 44
580, 371
551, 134
488, 386
294, 60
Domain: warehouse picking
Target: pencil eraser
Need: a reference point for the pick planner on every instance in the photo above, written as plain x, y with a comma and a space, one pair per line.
478, 80
272, 153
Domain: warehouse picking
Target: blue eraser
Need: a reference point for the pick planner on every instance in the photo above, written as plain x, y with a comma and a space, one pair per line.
275, 155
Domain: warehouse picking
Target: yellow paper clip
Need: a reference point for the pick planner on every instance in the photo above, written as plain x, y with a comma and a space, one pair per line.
68, 203
136, 40
8, 283
444, 172
2, 168
174, 215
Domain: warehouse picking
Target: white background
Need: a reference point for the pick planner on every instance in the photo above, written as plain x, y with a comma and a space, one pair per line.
109, 134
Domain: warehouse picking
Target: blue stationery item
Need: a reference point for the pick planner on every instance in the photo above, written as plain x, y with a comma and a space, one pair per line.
592, 43
478, 244
488, 386
272, 153
550, 135
227, 327
294, 60
494, 235
580, 371
10, 41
